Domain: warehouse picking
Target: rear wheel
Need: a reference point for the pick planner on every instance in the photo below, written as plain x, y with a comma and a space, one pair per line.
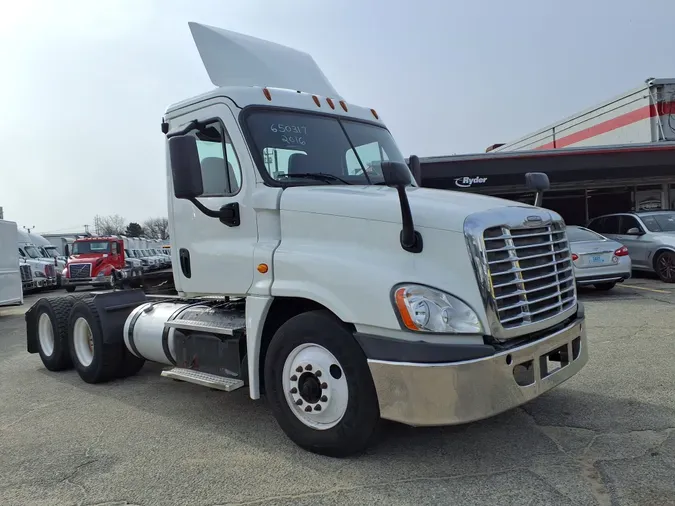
665, 266
130, 364
52, 331
94, 360
70, 289
604, 286
320, 387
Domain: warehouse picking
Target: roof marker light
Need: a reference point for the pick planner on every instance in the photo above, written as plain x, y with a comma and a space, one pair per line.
374, 113
267, 94
344, 106
330, 103
316, 100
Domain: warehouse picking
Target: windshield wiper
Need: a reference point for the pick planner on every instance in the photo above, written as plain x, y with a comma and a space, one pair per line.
321, 176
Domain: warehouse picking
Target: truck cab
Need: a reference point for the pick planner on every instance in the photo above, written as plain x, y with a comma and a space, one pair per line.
313, 269
93, 262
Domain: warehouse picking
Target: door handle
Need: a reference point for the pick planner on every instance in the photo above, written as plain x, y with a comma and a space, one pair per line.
184, 259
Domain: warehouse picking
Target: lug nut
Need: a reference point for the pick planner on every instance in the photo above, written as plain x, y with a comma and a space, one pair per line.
324, 398
317, 374
294, 378
317, 407
294, 390
299, 402
298, 369
308, 367
324, 385
308, 409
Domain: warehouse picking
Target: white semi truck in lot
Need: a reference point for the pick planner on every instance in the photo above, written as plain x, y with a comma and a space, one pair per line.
312, 268
11, 292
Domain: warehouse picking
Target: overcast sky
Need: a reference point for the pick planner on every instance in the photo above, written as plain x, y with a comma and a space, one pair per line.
85, 83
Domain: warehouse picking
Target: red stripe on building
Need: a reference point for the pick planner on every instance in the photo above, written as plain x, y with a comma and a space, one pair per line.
646, 112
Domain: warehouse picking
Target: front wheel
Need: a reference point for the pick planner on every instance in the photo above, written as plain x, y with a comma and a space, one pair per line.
665, 267
320, 387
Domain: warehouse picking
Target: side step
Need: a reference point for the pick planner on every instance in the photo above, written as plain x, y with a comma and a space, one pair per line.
203, 378
227, 328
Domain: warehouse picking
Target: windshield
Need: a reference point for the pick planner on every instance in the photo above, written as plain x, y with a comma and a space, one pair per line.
90, 247
51, 251
32, 251
303, 148
662, 222
577, 234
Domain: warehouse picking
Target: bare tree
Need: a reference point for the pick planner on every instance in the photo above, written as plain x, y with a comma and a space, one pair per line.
156, 228
109, 225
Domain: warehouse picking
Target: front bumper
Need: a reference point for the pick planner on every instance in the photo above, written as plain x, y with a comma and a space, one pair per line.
105, 280
459, 392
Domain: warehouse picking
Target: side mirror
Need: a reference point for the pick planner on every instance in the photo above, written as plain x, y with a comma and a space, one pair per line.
186, 170
537, 181
67, 250
634, 231
416, 169
396, 174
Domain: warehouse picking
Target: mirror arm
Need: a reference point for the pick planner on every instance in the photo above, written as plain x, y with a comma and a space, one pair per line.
411, 239
208, 212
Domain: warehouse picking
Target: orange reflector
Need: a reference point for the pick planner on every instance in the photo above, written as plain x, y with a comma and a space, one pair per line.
344, 106
267, 94
330, 103
403, 309
263, 268
375, 113
316, 100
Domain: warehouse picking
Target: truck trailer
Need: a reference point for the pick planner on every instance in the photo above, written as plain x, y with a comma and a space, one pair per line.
642, 115
329, 281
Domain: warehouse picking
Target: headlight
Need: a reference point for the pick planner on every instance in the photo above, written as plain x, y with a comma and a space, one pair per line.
425, 309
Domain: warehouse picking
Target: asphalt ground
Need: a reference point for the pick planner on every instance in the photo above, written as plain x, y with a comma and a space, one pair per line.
604, 437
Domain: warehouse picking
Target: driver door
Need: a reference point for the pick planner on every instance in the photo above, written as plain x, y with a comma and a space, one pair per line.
211, 257
634, 243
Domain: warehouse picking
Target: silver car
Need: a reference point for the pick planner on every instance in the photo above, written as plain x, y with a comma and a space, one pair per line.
597, 260
649, 237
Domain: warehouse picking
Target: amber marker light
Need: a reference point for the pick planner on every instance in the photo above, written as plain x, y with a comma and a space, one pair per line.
263, 268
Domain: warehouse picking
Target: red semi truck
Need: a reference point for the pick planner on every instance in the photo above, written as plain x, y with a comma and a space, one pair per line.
94, 261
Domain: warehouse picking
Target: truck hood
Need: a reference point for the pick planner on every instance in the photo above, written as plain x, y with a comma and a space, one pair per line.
79, 259
440, 209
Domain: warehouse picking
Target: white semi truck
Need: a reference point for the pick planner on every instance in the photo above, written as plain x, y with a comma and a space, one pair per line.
11, 272
311, 267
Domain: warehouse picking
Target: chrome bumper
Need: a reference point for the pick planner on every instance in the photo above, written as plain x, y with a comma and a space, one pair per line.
460, 392
86, 281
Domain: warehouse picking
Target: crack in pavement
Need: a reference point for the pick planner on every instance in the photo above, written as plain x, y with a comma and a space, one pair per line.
338, 489
87, 454
590, 472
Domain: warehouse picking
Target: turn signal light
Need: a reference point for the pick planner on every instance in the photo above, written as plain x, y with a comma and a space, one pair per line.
575, 257
621, 252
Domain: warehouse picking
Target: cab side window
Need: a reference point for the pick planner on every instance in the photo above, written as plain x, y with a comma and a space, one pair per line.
114, 249
221, 171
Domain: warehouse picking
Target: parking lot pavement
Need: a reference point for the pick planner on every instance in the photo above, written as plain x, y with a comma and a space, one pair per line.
604, 437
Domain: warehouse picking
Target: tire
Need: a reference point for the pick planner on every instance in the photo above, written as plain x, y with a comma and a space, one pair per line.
333, 362
604, 286
94, 360
130, 364
52, 330
70, 289
664, 265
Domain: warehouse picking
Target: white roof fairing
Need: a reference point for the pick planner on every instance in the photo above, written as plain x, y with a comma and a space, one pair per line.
234, 59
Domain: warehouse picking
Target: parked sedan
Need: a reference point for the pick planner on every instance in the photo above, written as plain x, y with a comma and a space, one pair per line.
597, 260
649, 237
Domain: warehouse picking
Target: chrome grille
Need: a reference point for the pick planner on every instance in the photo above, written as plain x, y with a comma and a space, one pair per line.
79, 271
50, 272
530, 273
26, 274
